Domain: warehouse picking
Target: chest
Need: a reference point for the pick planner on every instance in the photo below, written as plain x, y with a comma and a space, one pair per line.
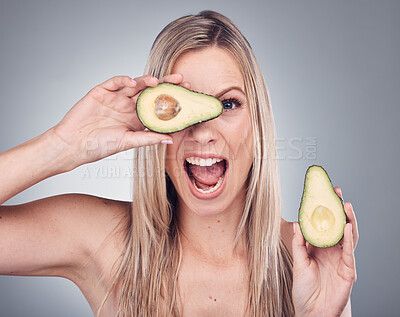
212, 290
204, 289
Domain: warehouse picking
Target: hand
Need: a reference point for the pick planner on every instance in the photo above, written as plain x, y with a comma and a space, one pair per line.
323, 277
104, 122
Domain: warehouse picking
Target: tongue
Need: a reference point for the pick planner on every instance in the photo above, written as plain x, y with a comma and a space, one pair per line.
207, 175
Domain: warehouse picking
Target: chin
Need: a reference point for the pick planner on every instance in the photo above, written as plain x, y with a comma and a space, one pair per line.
206, 208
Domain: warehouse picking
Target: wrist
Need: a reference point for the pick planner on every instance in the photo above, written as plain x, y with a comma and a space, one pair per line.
31, 162
56, 153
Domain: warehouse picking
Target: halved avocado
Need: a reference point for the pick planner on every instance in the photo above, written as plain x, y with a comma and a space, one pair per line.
321, 215
169, 108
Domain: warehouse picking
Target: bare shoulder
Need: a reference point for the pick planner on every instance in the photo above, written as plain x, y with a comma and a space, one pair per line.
287, 234
90, 218
100, 225
93, 217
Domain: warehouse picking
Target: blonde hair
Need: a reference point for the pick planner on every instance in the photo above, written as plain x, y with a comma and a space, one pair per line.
147, 272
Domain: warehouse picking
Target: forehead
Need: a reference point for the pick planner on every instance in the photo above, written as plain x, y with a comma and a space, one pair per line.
209, 70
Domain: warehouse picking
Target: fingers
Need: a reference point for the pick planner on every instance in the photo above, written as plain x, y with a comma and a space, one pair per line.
348, 251
186, 84
145, 81
176, 79
142, 83
172, 79
299, 249
133, 86
143, 138
351, 218
338, 191
118, 82
127, 86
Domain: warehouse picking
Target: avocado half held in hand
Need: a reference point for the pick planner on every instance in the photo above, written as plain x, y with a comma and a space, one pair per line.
321, 215
169, 108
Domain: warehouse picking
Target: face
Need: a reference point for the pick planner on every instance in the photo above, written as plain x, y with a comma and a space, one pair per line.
224, 143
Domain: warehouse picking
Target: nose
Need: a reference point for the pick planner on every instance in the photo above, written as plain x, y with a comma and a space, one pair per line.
203, 133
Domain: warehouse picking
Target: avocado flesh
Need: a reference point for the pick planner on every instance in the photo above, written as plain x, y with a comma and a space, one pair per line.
321, 215
169, 108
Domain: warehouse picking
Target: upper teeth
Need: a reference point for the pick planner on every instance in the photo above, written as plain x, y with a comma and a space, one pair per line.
203, 162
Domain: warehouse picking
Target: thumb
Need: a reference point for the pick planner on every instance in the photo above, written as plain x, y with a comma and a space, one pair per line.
136, 139
300, 254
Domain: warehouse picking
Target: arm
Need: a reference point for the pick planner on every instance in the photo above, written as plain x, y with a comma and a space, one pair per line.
53, 236
29, 234
57, 236
31, 162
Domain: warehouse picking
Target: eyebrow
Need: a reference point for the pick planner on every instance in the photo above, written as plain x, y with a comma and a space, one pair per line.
229, 89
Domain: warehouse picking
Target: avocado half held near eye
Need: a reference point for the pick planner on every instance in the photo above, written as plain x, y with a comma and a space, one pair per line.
321, 215
169, 108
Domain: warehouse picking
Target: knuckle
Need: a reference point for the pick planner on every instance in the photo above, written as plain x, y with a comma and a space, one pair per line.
120, 80
141, 77
147, 77
97, 91
124, 78
116, 78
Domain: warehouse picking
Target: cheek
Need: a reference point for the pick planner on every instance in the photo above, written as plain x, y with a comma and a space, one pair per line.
241, 141
250, 142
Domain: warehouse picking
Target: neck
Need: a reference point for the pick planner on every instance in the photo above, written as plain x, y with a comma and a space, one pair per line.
212, 237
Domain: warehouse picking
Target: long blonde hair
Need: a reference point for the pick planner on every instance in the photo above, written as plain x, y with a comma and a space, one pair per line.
147, 272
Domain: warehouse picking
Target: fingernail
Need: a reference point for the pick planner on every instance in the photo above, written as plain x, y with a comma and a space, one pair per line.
134, 81
341, 196
166, 142
294, 227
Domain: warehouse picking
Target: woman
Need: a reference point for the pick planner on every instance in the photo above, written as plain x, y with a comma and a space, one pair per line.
196, 240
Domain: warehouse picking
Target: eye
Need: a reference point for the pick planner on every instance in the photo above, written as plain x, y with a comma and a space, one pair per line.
231, 103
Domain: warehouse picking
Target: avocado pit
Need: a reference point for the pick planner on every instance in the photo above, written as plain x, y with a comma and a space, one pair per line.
322, 218
166, 107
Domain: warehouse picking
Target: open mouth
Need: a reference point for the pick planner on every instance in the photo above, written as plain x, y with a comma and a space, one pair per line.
206, 175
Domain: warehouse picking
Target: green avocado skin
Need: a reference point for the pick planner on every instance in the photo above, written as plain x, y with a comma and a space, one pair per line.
340, 215
144, 107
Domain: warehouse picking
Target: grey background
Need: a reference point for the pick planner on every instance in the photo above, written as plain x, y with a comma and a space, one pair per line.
332, 68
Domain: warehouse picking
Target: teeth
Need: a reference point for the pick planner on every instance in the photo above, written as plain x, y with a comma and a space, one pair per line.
212, 189
203, 162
